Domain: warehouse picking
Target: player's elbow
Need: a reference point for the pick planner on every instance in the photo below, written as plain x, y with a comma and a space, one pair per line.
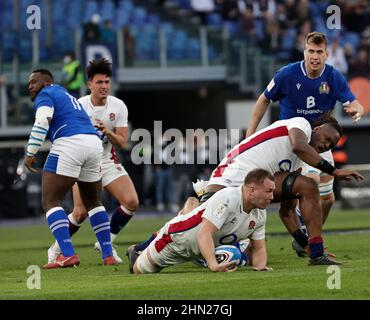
298, 148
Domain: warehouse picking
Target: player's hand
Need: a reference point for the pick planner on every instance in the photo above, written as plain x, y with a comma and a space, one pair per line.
347, 175
354, 112
29, 163
223, 267
101, 126
265, 268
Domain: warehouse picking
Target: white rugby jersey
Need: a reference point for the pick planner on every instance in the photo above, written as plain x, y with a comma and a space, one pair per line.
225, 211
114, 115
268, 149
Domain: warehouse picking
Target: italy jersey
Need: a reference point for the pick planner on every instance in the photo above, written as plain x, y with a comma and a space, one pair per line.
69, 117
301, 96
113, 115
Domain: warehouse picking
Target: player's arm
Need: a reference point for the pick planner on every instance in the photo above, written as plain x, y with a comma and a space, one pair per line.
207, 247
118, 137
38, 134
309, 155
355, 109
258, 112
259, 255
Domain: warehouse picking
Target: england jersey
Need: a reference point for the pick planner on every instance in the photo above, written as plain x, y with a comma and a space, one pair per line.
301, 96
69, 118
225, 211
113, 115
268, 149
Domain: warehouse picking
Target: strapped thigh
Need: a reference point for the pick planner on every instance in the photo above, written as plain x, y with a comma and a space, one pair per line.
287, 186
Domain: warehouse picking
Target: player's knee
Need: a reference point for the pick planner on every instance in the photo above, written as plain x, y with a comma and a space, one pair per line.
309, 187
131, 204
80, 214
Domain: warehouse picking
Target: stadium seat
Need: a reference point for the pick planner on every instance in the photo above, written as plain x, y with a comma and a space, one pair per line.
138, 16
353, 38
214, 19
107, 10
193, 49
90, 8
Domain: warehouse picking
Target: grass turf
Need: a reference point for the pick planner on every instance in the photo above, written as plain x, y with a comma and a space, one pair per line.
291, 278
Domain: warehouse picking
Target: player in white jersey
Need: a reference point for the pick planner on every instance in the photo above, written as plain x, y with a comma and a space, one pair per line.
109, 116
283, 146
233, 214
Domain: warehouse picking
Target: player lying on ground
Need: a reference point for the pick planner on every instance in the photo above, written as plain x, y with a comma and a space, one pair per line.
233, 214
75, 156
109, 115
285, 145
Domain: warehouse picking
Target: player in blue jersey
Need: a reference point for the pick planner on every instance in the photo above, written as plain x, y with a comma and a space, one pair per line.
309, 89
75, 156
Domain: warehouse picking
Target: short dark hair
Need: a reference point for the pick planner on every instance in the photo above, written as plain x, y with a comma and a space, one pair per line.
44, 72
99, 66
258, 176
316, 38
327, 118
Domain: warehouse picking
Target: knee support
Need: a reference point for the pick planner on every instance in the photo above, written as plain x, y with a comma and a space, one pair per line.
287, 186
326, 188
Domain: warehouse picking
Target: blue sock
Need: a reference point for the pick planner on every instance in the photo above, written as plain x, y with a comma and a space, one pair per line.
59, 226
119, 219
316, 245
100, 223
142, 246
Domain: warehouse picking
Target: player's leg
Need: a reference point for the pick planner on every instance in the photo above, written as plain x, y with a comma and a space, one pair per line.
326, 195
293, 185
90, 195
123, 190
75, 219
54, 190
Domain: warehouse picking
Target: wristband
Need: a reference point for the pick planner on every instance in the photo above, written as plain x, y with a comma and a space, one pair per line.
325, 166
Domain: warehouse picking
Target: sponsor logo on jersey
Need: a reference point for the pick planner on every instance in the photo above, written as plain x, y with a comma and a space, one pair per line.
324, 88
112, 116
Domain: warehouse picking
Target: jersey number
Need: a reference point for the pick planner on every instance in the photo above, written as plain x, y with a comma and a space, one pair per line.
74, 101
310, 102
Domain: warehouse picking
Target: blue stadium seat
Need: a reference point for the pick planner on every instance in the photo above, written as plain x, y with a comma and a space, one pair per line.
185, 4
353, 38
122, 18
126, 5
90, 8
107, 10
154, 20
138, 16
233, 27
214, 19
193, 49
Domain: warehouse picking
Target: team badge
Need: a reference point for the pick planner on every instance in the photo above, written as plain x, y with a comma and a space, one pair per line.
298, 85
252, 224
112, 116
324, 88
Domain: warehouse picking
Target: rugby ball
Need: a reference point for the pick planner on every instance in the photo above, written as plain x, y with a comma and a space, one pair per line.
228, 253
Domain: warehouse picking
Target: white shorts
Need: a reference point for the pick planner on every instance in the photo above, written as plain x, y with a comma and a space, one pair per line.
78, 156
231, 176
111, 171
164, 253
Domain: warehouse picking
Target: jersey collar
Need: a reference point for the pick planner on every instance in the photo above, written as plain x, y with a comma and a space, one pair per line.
303, 68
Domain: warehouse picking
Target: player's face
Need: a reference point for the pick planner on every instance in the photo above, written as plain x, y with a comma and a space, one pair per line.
324, 138
36, 82
99, 86
262, 195
315, 56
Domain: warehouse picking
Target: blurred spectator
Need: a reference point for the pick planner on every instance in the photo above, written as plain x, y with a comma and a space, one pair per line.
108, 35
72, 74
202, 8
3, 94
247, 25
229, 9
92, 29
360, 65
297, 52
270, 41
129, 43
336, 57
355, 17
259, 7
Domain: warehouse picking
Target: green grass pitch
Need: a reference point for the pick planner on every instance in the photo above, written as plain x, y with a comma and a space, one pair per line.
23, 246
